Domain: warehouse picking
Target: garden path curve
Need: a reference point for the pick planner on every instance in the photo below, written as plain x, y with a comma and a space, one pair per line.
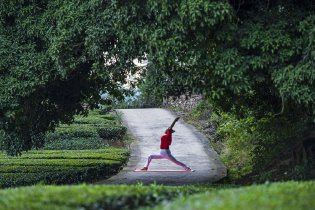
188, 146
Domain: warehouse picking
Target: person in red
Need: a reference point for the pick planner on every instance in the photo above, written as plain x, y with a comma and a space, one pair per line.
165, 153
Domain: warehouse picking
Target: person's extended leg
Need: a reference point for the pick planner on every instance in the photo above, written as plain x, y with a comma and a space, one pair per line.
150, 158
173, 159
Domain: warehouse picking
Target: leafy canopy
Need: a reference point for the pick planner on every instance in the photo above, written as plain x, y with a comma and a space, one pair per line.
252, 53
57, 56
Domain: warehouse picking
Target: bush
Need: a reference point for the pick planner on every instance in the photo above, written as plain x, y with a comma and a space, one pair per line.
111, 197
60, 166
75, 143
73, 131
105, 110
109, 117
85, 132
112, 132
273, 135
93, 120
288, 196
246, 143
236, 136
94, 117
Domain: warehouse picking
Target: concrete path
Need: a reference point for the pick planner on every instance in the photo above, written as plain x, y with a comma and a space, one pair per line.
188, 146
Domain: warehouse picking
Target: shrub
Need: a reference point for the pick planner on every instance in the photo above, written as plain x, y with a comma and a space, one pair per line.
60, 166
94, 117
271, 136
246, 143
236, 136
73, 131
76, 143
288, 195
85, 132
105, 110
112, 132
109, 117
93, 120
111, 197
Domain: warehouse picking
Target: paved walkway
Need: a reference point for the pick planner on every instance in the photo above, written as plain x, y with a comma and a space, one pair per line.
188, 146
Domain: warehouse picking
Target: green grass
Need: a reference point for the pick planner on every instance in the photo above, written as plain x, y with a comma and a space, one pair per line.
60, 166
286, 196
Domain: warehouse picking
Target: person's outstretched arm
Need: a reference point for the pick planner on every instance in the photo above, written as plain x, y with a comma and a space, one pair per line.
173, 123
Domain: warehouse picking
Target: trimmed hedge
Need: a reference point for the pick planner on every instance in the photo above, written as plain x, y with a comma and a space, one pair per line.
60, 166
105, 110
112, 132
109, 117
94, 119
87, 132
111, 197
286, 196
76, 143
289, 195
73, 131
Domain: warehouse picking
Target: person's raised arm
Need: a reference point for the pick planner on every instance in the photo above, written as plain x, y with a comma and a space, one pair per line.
173, 123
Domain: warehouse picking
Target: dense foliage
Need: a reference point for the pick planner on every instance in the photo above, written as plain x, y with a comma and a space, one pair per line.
253, 146
60, 166
253, 54
253, 59
57, 56
52, 65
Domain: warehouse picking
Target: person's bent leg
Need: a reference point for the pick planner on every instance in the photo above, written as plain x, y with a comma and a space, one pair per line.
150, 158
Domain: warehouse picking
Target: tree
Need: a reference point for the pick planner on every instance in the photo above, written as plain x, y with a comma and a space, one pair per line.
258, 54
56, 57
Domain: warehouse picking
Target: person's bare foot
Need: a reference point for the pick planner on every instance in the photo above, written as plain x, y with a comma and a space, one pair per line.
144, 169
188, 169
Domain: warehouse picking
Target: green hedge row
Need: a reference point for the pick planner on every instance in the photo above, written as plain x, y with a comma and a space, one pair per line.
111, 197
112, 132
96, 118
105, 110
286, 196
65, 136
60, 166
66, 176
73, 131
100, 154
78, 143
87, 131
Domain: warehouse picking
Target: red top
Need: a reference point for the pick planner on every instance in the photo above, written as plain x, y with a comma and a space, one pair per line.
166, 140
